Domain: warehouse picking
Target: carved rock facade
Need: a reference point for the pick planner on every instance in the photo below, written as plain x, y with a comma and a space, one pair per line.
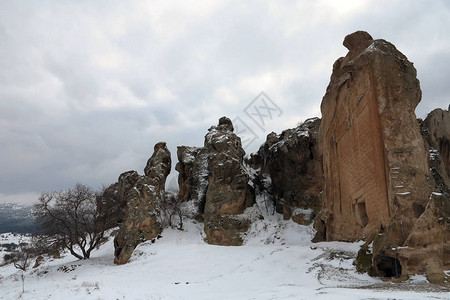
375, 163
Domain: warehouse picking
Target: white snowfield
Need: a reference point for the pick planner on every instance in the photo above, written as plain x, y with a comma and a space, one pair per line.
277, 261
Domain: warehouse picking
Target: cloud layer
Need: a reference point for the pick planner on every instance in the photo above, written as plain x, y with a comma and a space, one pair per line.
88, 87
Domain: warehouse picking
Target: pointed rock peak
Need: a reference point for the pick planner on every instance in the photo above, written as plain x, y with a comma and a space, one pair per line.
225, 123
159, 164
160, 145
358, 41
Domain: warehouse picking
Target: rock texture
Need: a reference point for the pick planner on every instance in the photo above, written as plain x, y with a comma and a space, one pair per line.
375, 162
110, 207
193, 176
228, 193
141, 195
159, 165
436, 132
294, 165
215, 180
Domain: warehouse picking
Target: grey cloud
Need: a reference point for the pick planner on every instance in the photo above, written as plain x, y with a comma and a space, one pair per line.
81, 82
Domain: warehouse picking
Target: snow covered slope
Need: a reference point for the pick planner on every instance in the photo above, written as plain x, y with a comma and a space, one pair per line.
277, 261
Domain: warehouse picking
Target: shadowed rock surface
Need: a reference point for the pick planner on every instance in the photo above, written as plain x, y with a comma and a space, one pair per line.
294, 165
193, 175
110, 207
436, 133
142, 194
375, 163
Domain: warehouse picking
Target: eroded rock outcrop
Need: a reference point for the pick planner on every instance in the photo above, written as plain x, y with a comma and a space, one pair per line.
376, 172
158, 165
436, 133
110, 207
141, 195
215, 180
193, 176
228, 193
293, 165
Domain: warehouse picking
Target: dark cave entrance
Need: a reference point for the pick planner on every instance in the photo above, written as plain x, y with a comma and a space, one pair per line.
389, 267
361, 214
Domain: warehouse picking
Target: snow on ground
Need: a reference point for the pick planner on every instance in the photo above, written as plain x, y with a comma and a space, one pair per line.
6, 238
277, 261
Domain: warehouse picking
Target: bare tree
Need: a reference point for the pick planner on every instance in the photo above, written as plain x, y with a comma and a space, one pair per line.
67, 220
21, 260
169, 212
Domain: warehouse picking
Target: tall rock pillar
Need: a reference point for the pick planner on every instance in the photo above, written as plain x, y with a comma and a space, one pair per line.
376, 172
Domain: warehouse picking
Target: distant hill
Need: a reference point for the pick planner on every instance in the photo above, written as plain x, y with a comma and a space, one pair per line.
16, 218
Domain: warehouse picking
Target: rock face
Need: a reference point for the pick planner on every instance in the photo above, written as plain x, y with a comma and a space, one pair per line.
110, 207
141, 195
436, 133
436, 130
158, 165
294, 165
193, 175
376, 174
214, 179
228, 193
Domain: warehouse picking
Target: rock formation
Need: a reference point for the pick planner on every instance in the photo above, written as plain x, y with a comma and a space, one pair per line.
376, 174
436, 132
228, 193
110, 207
193, 175
294, 165
214, 178
141, 195
158, 165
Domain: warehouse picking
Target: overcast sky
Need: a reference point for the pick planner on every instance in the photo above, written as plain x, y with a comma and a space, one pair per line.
88, 87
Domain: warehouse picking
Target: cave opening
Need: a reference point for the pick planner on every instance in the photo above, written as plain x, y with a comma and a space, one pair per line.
389, 267
360, 212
